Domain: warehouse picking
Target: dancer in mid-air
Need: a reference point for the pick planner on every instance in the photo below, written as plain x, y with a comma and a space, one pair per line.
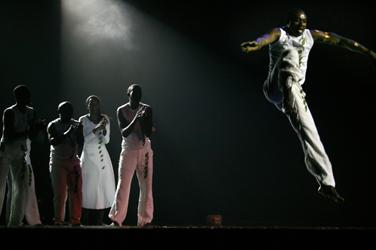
289, 48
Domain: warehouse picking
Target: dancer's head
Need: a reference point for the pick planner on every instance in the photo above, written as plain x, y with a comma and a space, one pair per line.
297, 22
22, 94
93, 103
65, 110
134, 93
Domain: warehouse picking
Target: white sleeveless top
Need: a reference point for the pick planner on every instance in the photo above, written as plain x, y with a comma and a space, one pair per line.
135, 140
302, 44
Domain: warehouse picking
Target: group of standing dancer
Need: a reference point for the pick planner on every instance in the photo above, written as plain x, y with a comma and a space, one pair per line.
88, 180
80, 166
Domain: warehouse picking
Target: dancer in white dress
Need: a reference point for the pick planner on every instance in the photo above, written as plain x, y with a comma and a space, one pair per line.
98, 182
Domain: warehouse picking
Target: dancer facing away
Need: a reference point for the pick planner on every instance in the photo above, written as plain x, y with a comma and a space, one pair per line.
66, 139
289, 48
136, 123
20, 125
98, 181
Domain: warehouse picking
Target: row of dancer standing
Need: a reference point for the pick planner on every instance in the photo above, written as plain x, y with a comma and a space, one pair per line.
80, 167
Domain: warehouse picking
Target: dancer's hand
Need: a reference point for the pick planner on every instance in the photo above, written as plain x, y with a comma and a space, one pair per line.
71, 128
101, 125
249, 46
141, 112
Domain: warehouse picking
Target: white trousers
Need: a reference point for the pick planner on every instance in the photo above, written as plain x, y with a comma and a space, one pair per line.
297, 111
141, 162
16, 171
32, 215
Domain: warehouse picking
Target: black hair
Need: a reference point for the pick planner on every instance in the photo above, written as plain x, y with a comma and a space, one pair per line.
21, 91
132, 87
294, 13
65, 107
92, 97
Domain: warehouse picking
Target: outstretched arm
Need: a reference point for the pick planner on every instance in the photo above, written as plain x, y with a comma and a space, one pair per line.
262, 41
343, 42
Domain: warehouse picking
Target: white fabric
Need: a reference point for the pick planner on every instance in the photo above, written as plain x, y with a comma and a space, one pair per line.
31, 211
12, 162
98, 181
302, 44
15, 167
141, 161
316, 159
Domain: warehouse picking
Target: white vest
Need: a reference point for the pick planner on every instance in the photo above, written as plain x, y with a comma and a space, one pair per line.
302, 44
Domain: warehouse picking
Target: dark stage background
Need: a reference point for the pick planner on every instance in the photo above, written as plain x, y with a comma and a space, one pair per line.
220, 147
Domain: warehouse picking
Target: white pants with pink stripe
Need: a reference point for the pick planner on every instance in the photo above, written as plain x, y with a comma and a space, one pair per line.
141, 162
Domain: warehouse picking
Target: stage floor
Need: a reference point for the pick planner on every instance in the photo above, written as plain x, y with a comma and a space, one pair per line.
191, 237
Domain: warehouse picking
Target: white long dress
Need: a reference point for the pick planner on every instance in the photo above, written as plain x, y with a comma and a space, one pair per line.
98, 182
